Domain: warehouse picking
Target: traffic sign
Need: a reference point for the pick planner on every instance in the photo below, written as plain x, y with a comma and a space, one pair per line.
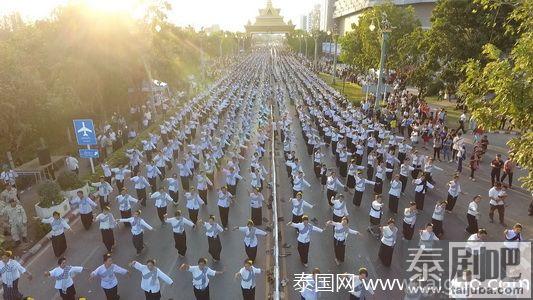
85, 133
89, 153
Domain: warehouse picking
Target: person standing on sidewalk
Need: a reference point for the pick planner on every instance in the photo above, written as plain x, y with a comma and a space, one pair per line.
72, 164
496, 166
16, 217
508, 169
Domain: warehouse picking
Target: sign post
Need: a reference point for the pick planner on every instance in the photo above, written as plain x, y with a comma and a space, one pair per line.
86, 136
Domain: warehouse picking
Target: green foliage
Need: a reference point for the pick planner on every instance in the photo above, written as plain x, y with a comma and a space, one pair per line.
361, 46
459, 29
501, 85
69, 181
80, 63
49, 193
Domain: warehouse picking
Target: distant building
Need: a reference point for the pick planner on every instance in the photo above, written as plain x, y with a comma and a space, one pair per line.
348, 11
303, 22
326, 15
313, 19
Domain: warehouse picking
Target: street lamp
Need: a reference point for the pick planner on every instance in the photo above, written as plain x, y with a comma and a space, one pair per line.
306, 53
300, 40
315, 35
385, 29
335, 35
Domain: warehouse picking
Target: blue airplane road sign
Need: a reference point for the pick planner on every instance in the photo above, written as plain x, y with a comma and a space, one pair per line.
89, 153
85, 133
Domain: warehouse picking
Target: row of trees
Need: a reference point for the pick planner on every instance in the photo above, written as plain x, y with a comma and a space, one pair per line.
478, 49
80, 63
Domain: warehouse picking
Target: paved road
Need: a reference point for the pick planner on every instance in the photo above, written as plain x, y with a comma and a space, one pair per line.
85, 247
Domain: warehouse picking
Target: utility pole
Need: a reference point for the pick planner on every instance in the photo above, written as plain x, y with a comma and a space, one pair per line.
335, 53
315, 62
385, 29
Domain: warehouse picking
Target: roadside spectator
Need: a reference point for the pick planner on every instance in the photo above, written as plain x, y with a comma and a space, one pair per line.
16, 216
72, 164
508, 169
496, 165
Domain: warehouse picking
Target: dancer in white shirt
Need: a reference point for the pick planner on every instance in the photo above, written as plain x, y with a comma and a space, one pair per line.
108, 279
247, 275
304, 237
178, 223
150, 279
10, 272
63, 275
107, 224
250, 238
200, 278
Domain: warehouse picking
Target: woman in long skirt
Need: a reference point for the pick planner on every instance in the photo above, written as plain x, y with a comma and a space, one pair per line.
107, 224
11, 272
256, 204
58, 224
409, 220
137, 230
394, 193
178, 224
438, 217
212, 230
388, 240
352, 171
340, 233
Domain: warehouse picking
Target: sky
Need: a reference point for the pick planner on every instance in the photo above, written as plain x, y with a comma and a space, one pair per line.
228, 14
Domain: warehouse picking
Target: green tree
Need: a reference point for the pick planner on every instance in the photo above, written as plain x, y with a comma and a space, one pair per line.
361, 46
501, 85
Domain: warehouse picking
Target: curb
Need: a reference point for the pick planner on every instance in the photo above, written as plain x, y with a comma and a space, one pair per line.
69, 217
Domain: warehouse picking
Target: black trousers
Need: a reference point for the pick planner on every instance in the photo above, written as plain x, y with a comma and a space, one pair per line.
152, 296
153, 184
303, 250
419, 199
223, 212
141, 195
12, 292
472, 224
124, 214
403, 179
180, 242
174, 195
385, 254
501, 212
161, 212
59, 244
393, 203
329, 194
138, 242
257, 216
86, 220
248, 294
407, 231
202, 294
69, 294
251, 252
494, 175
108, 238
450, 202
340, 249
215, 247
112, 293
193, 215
505, 174
357, 196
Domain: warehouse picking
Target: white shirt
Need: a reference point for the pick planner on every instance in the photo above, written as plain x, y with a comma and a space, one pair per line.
12, 272
420, 186
339, 208
161, 199
494, 195
107, 276
298, 206
304, 231
137, 225
193, 202
150, 279
178, 224
224, 199
474, 243
341, 232
358, 287
64, 284
248, 277
409, 217
438, 213
473, 209
212, 230
395, 188
389, 236
58, 226
85, 205
376, 209
72, 163
200, 278
124, 202
107, 221
332, 183
454, 188
250, 235
512, 239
